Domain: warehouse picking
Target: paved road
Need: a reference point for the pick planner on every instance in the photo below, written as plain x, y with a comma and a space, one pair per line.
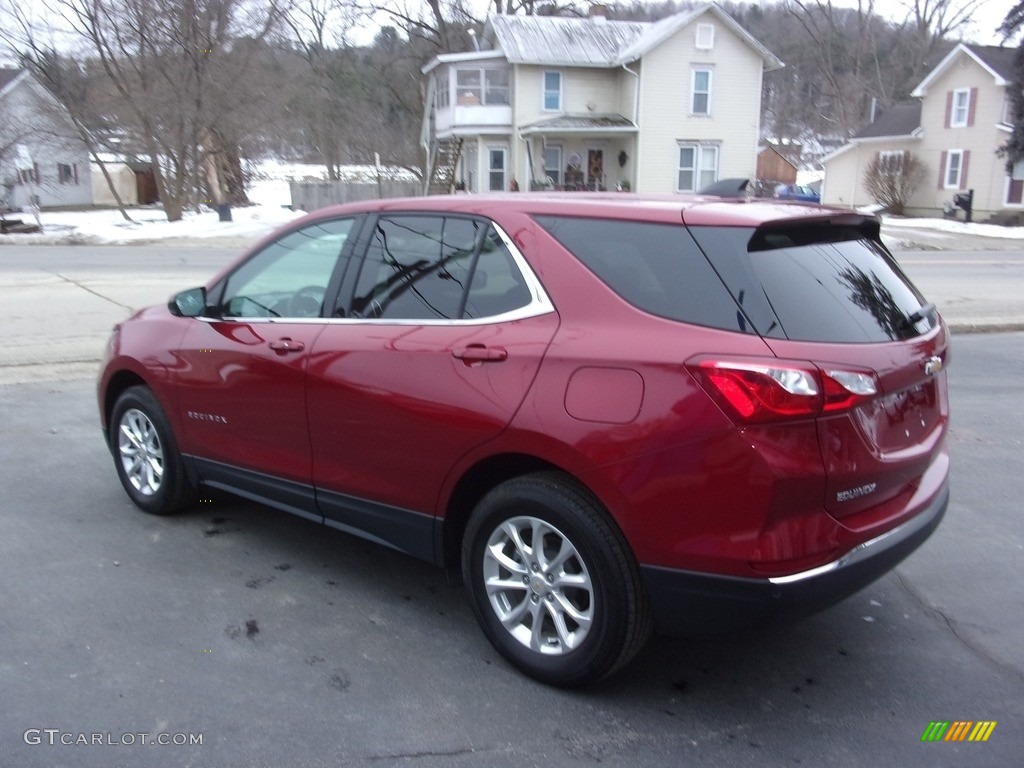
288, 644
61, 301
283, 643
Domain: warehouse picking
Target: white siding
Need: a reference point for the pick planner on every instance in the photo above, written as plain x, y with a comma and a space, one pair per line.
844, 175
581, 89
986, 172
33, 118
665, 118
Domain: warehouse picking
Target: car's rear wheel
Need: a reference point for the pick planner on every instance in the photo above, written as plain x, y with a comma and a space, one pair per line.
553, 583
146, 454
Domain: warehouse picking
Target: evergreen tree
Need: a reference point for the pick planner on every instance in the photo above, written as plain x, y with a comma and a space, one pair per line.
1013, 149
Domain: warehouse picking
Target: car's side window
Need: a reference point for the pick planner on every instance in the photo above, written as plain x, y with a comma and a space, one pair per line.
416, 267
497, 285
435, 267
289, 277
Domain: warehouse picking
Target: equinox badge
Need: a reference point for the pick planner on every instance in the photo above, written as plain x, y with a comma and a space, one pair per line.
933, 366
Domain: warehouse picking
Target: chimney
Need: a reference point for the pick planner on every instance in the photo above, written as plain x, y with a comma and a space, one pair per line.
598, 12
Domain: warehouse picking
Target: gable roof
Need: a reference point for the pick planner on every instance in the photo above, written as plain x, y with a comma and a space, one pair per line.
597, 42
660, 31
994, 59
563, 41
899, 120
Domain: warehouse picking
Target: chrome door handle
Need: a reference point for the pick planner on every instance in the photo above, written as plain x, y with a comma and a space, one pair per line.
287, 345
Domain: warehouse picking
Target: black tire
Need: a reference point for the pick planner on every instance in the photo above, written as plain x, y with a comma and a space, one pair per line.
146, 454
575, 610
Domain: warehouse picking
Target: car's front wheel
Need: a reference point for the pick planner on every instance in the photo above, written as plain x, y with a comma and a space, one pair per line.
146, 454
553, 583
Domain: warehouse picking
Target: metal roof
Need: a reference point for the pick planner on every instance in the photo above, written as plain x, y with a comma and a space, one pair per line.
581, 124
556, 40
597, 42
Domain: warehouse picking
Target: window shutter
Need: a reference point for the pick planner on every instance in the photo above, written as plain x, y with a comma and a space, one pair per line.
949, 107
75, 168
942, 169
963, 168
970, 107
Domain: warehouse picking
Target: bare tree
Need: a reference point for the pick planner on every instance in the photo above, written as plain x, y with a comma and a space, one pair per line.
34, 48
324, 100
862, 57
892, 178
171, 64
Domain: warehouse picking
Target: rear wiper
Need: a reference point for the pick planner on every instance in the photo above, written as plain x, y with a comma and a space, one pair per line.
916, 317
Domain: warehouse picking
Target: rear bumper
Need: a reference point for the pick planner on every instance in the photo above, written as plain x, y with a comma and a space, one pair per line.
687, 603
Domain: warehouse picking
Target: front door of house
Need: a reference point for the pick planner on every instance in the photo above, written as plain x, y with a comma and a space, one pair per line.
595, 169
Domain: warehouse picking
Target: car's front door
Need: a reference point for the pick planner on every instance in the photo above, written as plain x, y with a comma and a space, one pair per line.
444, 334
242, 372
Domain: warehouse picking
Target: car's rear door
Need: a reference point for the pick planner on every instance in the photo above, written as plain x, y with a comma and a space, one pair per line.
832, 295
445, 331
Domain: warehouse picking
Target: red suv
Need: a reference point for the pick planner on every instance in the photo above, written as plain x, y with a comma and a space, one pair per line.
611, 413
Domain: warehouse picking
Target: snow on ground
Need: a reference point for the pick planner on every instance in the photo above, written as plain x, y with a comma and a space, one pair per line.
108, 226
957, 227
271, 197
268, 191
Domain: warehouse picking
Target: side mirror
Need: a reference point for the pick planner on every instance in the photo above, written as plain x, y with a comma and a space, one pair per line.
190, 303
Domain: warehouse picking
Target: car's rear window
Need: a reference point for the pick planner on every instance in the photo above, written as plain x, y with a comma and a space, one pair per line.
816, 283
655, 267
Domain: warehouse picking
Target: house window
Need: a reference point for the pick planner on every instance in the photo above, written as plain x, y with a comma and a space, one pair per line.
28, 176
481, 86
698, 167
954, 169
496, 169
442, 93
705, 37
700, 102
553, 163
67, 174
496, 86
961, 108
1007, 118
552, 91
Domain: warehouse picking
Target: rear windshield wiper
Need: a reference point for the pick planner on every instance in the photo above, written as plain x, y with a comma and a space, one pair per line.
920, 314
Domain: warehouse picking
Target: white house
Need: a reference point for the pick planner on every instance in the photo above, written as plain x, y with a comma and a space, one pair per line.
589, 103
41, 156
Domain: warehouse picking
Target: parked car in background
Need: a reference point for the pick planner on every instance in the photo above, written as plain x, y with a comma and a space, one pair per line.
798, 192
608, 413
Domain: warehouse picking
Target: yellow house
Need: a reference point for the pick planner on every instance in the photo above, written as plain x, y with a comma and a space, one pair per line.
954, 127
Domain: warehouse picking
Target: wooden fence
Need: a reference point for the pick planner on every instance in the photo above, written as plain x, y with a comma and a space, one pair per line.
311, 195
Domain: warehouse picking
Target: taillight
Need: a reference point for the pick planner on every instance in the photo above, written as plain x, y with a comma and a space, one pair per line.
847, 389
775, 390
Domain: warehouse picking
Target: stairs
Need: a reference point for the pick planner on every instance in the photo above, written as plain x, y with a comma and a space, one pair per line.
442, 170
